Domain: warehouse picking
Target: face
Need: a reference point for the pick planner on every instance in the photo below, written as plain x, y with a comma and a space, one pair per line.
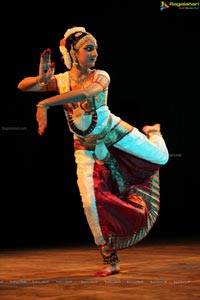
87, 54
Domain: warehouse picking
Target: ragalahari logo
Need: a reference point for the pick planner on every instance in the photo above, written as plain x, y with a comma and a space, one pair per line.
179, 5
164, 5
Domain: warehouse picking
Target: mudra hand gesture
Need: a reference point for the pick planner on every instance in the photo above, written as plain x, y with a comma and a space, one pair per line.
41, 117
46, 67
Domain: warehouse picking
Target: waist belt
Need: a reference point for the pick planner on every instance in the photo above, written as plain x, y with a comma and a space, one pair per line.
101, 142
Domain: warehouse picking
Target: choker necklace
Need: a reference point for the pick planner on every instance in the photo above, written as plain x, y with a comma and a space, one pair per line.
78, 80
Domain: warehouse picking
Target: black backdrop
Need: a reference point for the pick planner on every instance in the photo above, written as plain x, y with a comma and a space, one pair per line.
148, 56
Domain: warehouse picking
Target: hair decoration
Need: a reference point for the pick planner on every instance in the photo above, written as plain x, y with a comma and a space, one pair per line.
77, 31
62, 47
65, 54
87, 38
73, 30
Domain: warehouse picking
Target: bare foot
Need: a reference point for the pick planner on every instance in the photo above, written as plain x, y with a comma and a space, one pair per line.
150, 129
108, 270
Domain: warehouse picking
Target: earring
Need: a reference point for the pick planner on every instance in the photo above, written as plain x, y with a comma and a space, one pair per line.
74, 59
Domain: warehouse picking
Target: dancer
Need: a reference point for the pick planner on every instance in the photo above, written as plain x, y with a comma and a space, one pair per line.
117, 165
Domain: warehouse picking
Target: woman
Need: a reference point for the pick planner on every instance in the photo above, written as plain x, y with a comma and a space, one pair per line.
117, 165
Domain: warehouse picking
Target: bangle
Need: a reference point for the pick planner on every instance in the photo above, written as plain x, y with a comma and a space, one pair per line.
41, 83
42, 106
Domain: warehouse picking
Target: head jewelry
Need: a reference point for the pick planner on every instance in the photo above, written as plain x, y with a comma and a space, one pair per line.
79, 37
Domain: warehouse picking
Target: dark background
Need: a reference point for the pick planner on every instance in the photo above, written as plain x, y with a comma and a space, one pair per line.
149, 55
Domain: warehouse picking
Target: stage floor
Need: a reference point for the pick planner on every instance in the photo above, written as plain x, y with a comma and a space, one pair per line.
159, 269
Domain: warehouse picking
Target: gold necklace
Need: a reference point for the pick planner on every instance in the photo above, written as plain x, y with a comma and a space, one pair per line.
78, 80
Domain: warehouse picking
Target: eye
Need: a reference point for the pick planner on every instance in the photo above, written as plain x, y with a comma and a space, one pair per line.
89, 48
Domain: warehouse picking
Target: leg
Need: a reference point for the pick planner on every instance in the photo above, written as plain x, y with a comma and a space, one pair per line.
85, 169
110, 259
85, 166
149, 146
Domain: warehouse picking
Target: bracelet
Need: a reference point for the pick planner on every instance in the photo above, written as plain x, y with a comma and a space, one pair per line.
41, 83
42, 106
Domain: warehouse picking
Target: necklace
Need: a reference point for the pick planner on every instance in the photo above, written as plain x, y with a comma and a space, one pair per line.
82, 78
78, 80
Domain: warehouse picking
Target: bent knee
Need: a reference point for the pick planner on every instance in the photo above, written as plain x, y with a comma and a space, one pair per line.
162, 160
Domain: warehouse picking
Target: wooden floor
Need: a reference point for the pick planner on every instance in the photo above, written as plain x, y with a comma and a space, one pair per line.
159, 269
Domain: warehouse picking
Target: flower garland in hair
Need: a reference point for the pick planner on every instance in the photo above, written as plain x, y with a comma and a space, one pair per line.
65, 54
62, 47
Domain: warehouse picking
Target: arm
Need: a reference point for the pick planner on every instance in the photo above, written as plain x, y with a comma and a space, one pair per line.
69, 97
100, 83
72, 96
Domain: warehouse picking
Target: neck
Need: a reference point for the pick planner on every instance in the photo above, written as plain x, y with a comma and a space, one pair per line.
79, 75
78, 70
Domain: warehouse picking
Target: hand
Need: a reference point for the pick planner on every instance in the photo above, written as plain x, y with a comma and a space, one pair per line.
41, 117
46, 67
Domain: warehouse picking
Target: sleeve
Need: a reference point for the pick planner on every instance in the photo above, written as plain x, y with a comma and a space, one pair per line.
63, 82
102, 78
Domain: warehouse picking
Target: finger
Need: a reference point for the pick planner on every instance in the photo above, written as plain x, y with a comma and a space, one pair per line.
46, 52
46, 56
40, 132
42, 122
41, 128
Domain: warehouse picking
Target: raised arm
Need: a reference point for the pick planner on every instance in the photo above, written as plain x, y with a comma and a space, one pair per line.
44, 81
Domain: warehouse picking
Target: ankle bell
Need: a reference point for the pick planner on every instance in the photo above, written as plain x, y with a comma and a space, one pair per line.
109, 255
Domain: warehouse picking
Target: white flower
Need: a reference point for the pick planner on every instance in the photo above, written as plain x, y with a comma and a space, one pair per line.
73, 30
66, 57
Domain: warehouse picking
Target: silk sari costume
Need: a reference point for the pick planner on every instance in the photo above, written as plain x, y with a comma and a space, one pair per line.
117, 168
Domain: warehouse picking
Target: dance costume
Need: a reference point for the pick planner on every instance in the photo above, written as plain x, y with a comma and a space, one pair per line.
117, 169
